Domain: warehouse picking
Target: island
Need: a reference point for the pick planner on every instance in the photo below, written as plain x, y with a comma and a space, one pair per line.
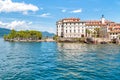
36, 36
25, 36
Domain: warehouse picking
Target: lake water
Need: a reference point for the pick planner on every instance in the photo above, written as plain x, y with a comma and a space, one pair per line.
58, 61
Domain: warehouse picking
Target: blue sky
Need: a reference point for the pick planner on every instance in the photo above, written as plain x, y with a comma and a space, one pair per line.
42, 14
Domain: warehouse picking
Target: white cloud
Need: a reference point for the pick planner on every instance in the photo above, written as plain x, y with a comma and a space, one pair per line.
76, 11
45, 15
23, 25
17, 25
64, 10
9, 6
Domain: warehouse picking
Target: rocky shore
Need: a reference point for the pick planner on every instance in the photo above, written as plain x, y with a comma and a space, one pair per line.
88, 40
70, 40
23, 40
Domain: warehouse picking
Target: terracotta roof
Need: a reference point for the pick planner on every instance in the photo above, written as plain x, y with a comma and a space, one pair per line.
95, 25
111, 26
116, 26
115, 31
71, 20
98, 21
92, 21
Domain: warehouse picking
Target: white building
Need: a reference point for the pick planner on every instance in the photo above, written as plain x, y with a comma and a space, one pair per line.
75, 28
114, 31
71, 28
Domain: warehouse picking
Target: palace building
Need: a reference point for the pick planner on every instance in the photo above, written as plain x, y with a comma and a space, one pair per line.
76, 28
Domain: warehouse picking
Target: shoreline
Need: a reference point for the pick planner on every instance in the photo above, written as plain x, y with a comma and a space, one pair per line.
89, 41
46, 40
65, 41
61, 42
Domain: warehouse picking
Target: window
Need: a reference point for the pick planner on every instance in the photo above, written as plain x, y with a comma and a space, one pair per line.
74, 31
82, 31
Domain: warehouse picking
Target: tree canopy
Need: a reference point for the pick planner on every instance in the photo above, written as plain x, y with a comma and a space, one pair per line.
24, 35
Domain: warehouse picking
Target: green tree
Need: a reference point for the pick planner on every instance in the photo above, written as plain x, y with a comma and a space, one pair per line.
55, 37
97, 31
88, 32
24, 35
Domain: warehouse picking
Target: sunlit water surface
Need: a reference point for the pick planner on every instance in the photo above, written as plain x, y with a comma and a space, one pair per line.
58, 61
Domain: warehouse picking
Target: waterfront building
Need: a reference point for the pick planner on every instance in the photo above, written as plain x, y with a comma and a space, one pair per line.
114, 31
76, 28
71, 28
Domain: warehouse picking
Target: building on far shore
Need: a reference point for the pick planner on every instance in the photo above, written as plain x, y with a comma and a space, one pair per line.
76, 28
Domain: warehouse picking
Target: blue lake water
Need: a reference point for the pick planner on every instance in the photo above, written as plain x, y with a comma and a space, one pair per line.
58, 61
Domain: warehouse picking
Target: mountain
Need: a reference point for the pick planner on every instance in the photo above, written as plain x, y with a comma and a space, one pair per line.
4, 31
47, 34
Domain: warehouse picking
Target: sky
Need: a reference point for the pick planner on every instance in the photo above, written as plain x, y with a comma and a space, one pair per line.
42, 15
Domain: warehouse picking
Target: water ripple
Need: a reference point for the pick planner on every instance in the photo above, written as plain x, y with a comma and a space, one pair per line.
58, 61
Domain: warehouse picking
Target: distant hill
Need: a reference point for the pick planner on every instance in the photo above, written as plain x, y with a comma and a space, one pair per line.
47, 34
4, 31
